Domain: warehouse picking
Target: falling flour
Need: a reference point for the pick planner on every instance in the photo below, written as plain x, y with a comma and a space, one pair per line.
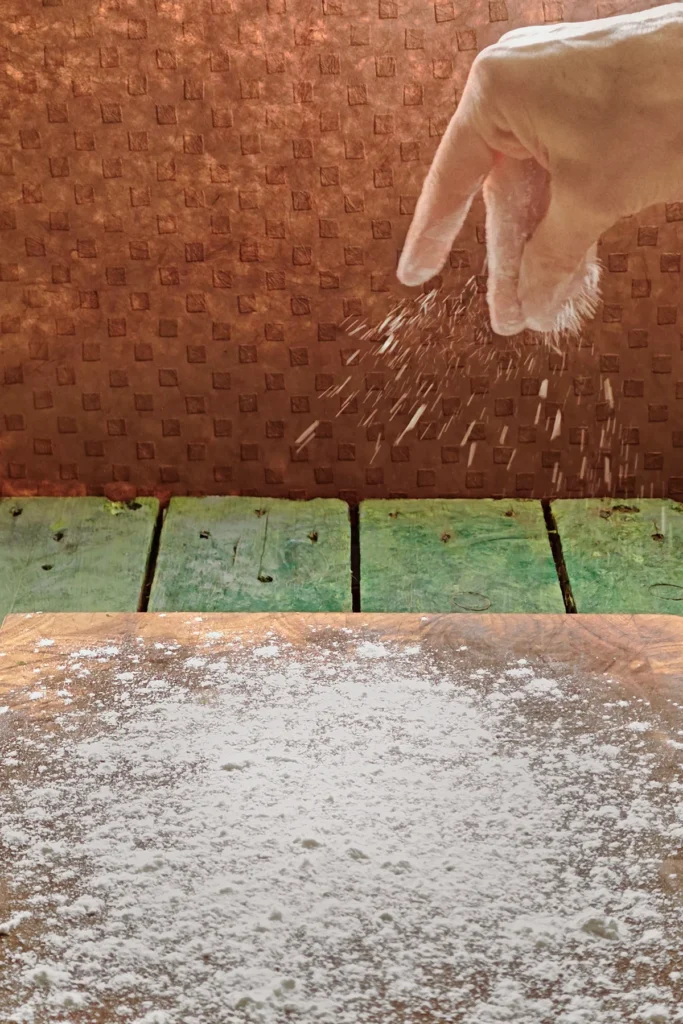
353, 832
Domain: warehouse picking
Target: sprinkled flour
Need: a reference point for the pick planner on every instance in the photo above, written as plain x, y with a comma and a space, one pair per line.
352, 832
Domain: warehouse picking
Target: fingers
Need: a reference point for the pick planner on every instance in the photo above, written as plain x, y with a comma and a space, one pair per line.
584, 296
516, 196
556, 260
462, 162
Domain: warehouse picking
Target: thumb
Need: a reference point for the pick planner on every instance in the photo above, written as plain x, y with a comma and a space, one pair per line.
554, 269
462, 162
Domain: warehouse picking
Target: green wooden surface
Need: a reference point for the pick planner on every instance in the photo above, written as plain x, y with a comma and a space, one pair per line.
252, 555
456, 556
73, 554
256, 554
623, 555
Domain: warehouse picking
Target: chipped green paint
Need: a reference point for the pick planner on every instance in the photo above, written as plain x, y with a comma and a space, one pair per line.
456, 556
70, 555
623, 555
253, 554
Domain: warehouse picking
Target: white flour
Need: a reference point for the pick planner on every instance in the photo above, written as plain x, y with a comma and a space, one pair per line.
352, 835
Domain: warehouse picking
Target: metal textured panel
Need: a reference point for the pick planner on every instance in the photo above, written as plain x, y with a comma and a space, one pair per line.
195, 194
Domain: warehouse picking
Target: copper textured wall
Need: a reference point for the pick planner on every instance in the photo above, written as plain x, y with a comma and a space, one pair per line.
194, 194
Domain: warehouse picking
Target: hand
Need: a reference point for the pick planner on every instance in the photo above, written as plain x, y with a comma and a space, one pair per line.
568, 128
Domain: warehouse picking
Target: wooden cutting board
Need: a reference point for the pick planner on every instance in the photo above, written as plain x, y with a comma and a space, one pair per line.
338, 817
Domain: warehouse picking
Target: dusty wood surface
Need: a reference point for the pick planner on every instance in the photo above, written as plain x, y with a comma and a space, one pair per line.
645, 651
628, 657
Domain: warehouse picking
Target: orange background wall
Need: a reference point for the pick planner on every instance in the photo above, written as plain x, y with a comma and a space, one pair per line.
194, 194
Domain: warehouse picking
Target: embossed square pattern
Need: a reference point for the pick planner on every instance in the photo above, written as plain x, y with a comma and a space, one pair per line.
196, 194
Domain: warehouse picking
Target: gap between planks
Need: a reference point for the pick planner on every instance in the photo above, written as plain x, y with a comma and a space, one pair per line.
558, 557
151, 567
354, 521
554, 541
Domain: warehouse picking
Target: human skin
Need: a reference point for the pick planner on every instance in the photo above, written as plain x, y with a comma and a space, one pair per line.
568, 128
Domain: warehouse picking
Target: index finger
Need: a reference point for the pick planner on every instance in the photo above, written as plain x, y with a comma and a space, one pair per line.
460, 166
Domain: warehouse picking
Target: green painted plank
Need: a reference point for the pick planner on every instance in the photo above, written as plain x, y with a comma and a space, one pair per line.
456, 556
254, 555
73, 554
623, 556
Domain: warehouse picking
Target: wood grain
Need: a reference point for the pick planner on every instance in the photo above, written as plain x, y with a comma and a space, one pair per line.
456, 556
73, 554
623, 556
253, 554
645, 652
